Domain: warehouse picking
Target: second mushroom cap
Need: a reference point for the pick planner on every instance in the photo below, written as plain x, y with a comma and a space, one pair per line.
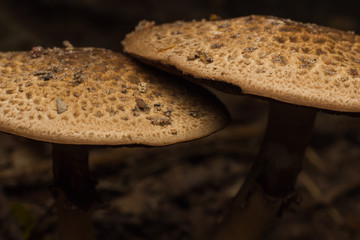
289, 61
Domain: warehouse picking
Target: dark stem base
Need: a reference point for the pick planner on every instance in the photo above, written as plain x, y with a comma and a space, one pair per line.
74, 192
270, 183
281, 155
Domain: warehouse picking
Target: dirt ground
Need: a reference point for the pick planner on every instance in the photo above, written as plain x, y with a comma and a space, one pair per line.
176, 192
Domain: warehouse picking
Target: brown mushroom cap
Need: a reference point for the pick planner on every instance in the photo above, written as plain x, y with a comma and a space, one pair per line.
98, 97
293, 62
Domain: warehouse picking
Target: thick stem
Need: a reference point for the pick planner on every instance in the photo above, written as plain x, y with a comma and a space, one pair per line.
281, 155
271, 181
73, 191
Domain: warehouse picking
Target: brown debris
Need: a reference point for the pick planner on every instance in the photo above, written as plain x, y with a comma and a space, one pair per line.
44, 75
204, 57
141, 105
160, 121
168, 113
214, 17
67, 44
216, 45
354, 72
192, 57
194, 114
142, 87
248, 50
279, 59
61, 106
157, 106
77, 79
36, 52
329, 71
307, 62
143, 24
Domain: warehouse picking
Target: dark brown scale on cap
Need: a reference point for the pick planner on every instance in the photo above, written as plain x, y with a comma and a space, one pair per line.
300, 63
77, 96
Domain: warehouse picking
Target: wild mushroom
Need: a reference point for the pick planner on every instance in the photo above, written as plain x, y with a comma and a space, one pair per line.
299, 67
76, 97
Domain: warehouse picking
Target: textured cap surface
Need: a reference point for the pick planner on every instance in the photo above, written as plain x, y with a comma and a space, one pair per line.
96, 96
303, 64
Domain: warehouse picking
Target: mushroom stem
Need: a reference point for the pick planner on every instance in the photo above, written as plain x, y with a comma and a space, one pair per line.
73, 191
270, 183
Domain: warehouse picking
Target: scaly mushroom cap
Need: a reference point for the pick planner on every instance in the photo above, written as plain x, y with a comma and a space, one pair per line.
98, 97
297, 63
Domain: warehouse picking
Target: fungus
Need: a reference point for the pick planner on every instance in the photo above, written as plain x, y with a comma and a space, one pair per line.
73, 117
301, 70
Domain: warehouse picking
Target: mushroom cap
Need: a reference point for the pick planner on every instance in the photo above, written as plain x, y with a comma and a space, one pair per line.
99, 97
281, 59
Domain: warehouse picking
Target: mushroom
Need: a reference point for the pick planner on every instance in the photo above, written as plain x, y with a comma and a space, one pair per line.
78, 97
300, 68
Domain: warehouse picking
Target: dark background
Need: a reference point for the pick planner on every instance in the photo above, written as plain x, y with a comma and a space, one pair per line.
103, 23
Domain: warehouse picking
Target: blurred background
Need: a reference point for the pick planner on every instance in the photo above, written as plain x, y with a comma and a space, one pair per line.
176, 192
24, 23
